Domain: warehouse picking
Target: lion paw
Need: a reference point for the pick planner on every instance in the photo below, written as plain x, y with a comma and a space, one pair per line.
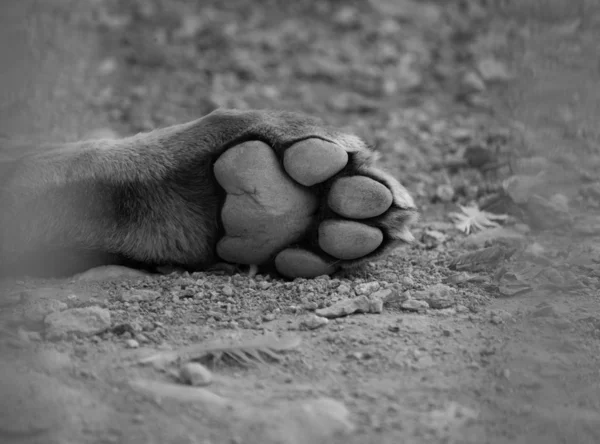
311, 208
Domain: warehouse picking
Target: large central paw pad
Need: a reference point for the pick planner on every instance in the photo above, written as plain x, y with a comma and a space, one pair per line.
317, 208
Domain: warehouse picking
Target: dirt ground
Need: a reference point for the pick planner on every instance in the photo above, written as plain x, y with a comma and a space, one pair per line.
486, 337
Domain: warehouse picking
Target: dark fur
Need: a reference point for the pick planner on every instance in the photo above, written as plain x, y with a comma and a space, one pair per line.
150, 199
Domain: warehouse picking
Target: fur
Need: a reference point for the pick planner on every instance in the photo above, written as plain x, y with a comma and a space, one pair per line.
150, 199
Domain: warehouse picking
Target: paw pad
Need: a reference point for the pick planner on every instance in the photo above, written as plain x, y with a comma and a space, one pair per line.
359, 197
346, 239
264, 211
314, 161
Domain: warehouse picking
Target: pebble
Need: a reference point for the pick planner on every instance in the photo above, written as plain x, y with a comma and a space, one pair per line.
140, 295
407, 281
414, 305
85, 321
445, 193
312, 322
361, 304
472, 83
382, 295
343, 289
227, 290
438, 296
36, 310
195, 374
132, 343
367, 288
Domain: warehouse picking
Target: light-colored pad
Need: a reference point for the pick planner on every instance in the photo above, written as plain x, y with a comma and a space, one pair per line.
359, 197
346, 239
296, 262
264, 210
314, 161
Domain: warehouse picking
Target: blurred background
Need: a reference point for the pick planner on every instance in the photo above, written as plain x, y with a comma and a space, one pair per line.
432, 85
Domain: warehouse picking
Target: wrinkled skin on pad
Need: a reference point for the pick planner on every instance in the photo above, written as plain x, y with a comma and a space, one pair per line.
264, 210
273, 212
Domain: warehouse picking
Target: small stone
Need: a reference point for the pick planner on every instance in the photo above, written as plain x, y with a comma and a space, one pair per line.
195, 374
312, 322
367, 288
227, 290
492, 70
414, 305
36, 310
445, 193
407, 281
438, 296
472, 83
140, 295
268, 317
132, 343
343, 289
382, 295
85, 321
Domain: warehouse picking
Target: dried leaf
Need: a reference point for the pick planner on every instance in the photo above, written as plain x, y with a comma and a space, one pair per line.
245, 353
481, 259
473, 218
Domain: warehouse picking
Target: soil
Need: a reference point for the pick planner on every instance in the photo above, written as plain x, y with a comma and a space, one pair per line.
487, 337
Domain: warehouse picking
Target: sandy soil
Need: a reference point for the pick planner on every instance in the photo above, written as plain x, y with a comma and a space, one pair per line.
491, 337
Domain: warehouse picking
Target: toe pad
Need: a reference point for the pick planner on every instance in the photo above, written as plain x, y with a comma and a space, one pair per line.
314, 161
295, 262
346, 239
359, 197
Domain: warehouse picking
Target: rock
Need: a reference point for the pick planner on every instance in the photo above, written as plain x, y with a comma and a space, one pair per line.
367, 288
547, 214
472, 83
361, 304
492, 70
85, 321
438, 296
312, 322
35, 310
227, 290
359, 197
132, 343
383, 295
314, 421
414, 305
195, 374
343, 289
445, 193
313, 161
140, 295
